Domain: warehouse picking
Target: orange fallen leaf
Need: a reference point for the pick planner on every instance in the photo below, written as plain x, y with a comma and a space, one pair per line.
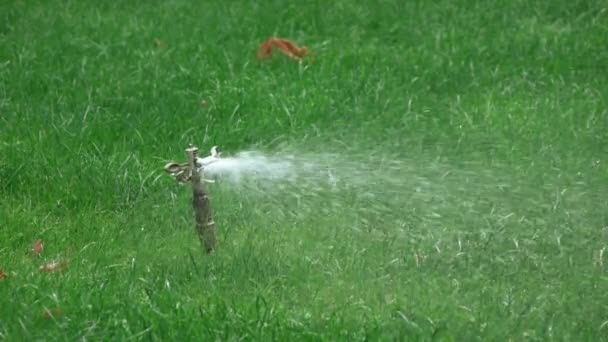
285, 46
48, 313
53, 266
2, 274
37, 247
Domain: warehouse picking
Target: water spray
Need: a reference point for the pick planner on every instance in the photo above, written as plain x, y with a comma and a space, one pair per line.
194, 172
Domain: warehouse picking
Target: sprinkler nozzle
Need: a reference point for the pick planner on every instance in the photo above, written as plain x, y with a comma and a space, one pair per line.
201, 163
181, 171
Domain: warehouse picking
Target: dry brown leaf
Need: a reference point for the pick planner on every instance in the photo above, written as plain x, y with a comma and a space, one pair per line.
48, 313
285, 46
37, 247
53, 266
2, 274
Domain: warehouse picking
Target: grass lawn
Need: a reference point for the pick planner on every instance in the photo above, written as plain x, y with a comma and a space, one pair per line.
471, 138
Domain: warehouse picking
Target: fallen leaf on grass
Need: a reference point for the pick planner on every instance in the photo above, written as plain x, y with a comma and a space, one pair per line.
37, 247
53, 266
48, 313
285, 46
2, 274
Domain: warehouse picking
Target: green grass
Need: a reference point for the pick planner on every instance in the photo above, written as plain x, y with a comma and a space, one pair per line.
492, 228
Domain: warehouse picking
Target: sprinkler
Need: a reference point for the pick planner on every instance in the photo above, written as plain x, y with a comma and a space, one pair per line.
202, 163
182, 171
203, 215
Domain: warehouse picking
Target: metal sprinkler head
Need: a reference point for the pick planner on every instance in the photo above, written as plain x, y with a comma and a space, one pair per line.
182, 171
202, 163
